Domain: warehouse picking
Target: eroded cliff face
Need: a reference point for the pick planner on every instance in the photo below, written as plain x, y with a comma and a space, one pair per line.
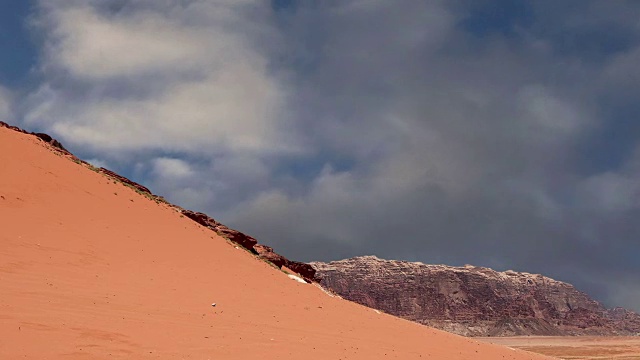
473, 301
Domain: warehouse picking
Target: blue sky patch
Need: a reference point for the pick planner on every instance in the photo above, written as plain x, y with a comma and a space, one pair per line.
501, 17
18, 52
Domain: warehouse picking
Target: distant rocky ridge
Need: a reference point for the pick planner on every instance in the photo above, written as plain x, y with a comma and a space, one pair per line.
249, 243
473, 301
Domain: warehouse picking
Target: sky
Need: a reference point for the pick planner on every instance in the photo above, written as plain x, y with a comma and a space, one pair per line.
499, 133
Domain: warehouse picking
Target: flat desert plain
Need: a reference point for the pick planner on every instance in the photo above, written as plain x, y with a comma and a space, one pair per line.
576, 347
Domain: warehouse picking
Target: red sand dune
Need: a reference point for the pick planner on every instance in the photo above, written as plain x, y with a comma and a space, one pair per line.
89, 269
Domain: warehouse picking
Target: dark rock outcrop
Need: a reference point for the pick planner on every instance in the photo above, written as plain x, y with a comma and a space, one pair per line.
473, 301
201, 218
14, 128
124, 180
266, 253
48, 139
305, 270
236, 236
44, 137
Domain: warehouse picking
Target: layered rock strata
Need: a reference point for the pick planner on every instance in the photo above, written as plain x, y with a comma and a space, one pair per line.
471, 300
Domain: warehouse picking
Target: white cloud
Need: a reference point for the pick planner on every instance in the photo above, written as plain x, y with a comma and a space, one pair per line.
163, 76
237, 110
172, 168
91, 45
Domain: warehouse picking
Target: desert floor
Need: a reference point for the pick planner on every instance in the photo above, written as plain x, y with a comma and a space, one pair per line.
575, 347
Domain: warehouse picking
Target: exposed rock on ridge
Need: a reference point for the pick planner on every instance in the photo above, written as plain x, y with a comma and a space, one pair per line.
305, 270
57, 146
239, 238
473, 301
246, 241
124, 180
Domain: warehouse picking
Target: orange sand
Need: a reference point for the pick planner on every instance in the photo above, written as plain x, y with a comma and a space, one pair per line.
89, 269
576, 347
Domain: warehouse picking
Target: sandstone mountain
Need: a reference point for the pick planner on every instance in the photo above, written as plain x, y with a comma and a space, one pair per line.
473, 301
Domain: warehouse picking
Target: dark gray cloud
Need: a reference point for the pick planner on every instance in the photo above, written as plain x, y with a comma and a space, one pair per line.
485, 132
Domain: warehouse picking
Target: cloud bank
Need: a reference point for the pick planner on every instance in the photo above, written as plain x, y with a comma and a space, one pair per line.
494, 133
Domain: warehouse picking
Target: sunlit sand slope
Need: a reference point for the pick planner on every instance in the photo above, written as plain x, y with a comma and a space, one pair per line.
90, 269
